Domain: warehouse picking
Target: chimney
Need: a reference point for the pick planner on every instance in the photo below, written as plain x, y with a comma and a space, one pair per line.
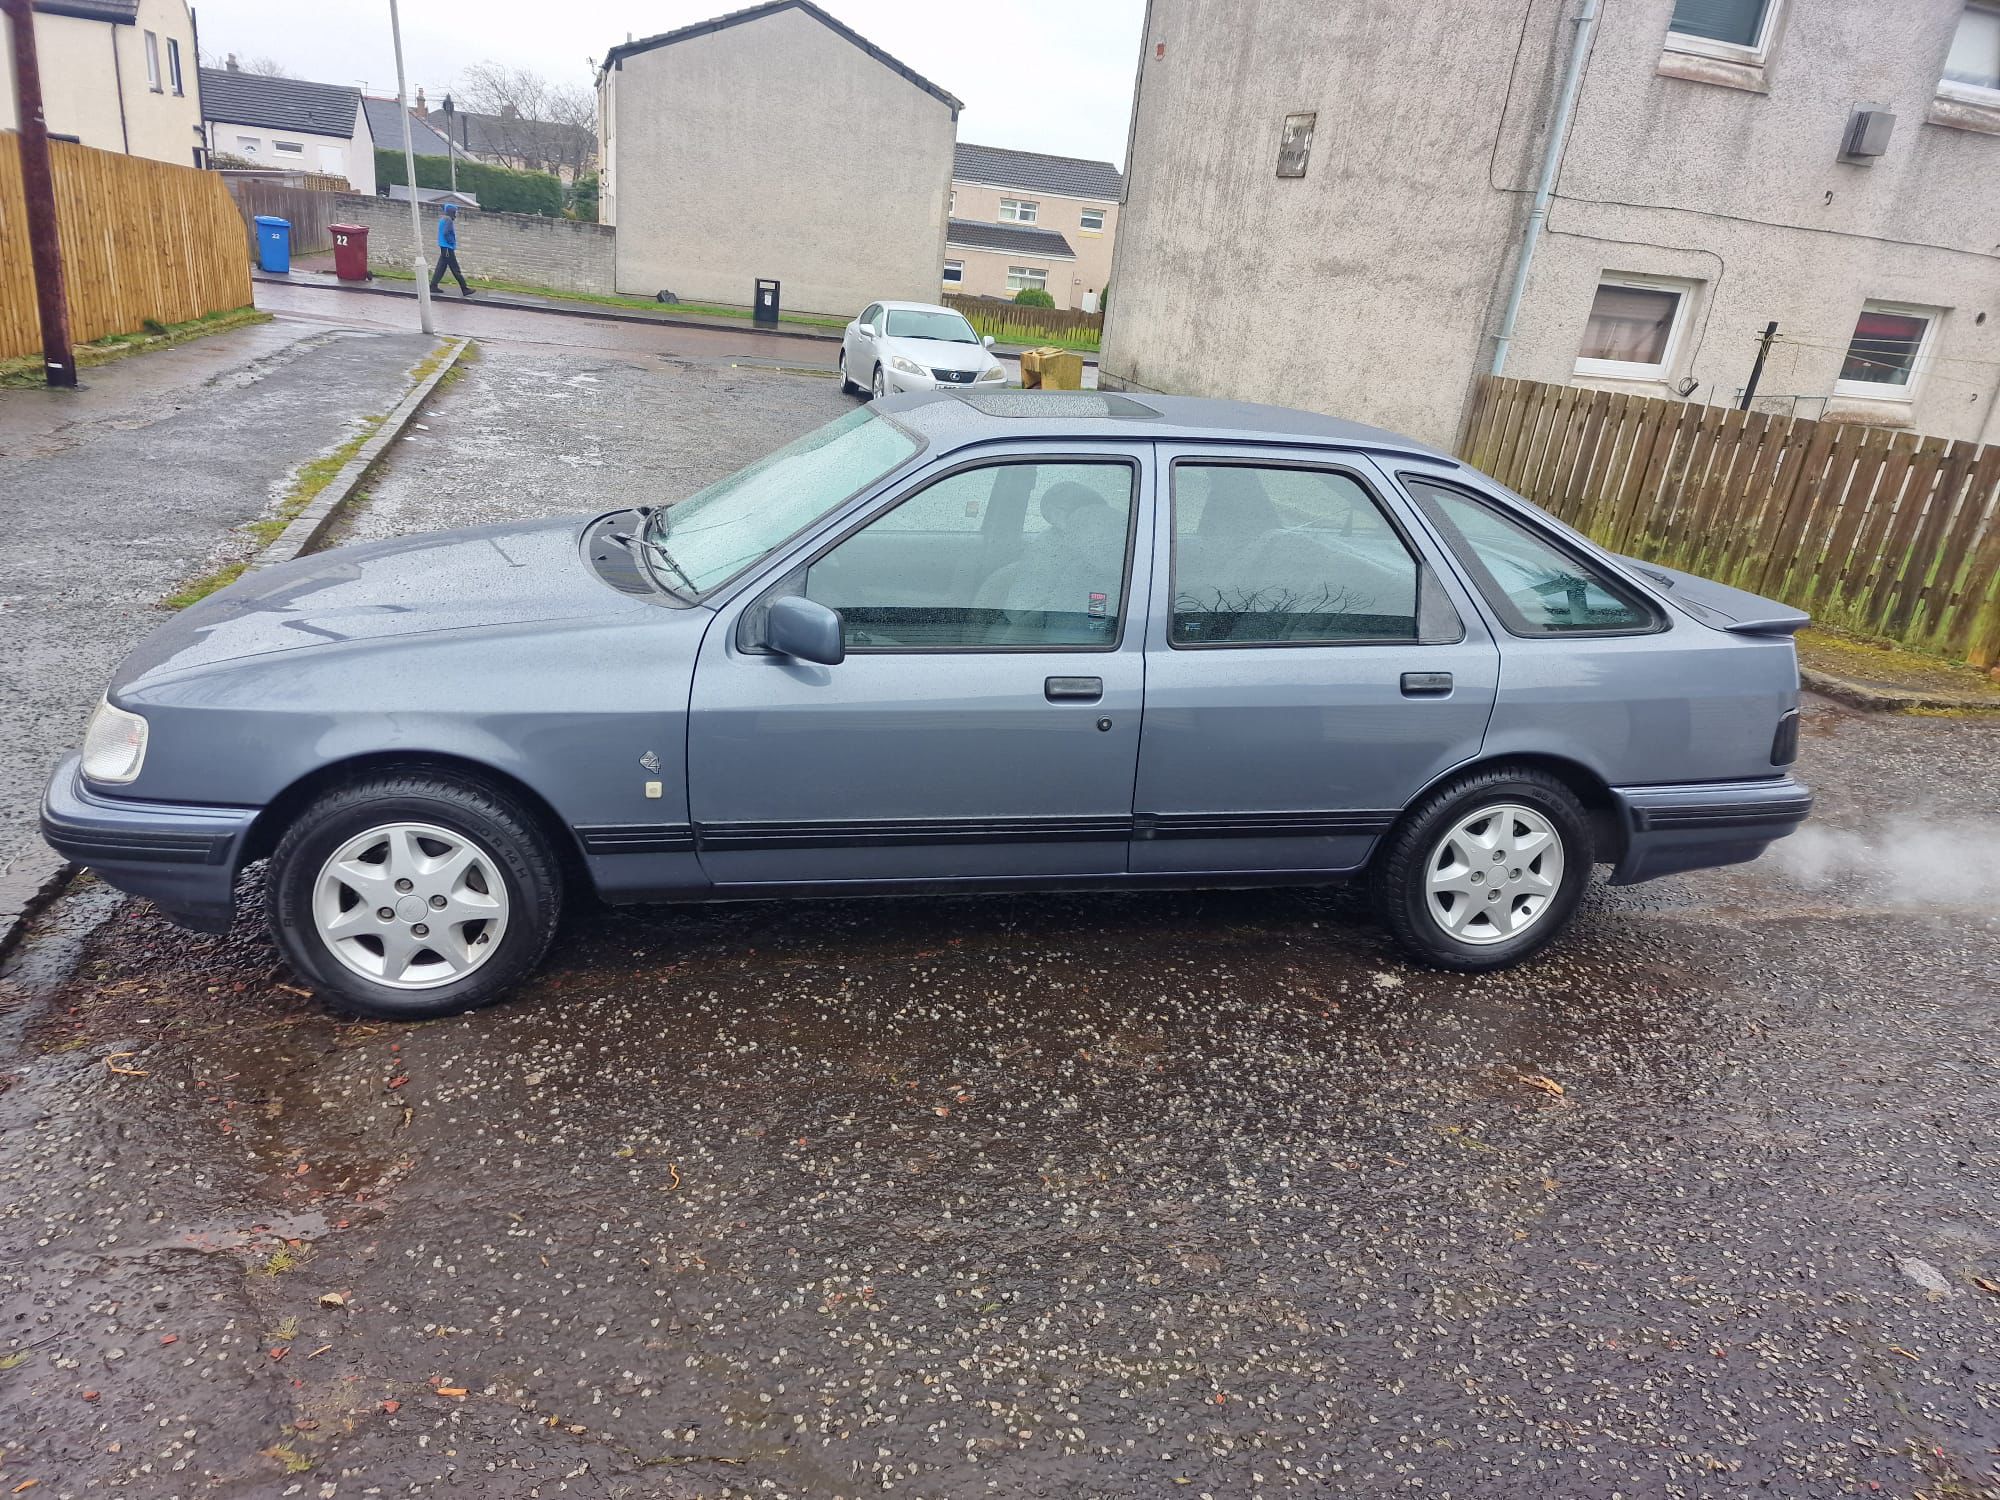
231, 63
422, 110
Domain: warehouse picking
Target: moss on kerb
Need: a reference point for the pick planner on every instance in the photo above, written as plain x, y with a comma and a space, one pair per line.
1890, 668
27, 370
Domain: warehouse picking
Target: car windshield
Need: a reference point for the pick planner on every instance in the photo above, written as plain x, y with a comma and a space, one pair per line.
916, 323
712, 535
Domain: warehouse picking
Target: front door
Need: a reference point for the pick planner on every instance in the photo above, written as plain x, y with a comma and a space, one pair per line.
1308, 668
985, 724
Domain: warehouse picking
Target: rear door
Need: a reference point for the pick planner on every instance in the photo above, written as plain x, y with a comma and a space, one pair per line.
985, 724
1309, 665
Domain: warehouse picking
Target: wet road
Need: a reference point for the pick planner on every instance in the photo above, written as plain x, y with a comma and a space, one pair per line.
1203, 1194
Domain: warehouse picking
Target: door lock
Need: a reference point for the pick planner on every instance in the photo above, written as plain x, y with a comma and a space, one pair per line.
1104, 724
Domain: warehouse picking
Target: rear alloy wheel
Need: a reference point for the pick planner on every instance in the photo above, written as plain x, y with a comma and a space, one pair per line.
1485, 871
879, 386
410, 896
847, 387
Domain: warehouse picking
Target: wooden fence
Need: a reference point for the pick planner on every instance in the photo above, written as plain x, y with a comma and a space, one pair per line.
1013, 324
309, 211
1886, 533
141, 240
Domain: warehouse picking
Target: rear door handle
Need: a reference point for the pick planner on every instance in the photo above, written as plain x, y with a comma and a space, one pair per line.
1426, 684
1073, 689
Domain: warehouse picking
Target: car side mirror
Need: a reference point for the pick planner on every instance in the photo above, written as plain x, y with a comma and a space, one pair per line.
805, 629
987, 341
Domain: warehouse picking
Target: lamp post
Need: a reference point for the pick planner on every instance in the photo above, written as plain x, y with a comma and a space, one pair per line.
450, 146
410, 171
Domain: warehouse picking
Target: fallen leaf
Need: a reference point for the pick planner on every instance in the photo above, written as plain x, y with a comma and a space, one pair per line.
1986, 1285
26, 1484
281, 1351
91, 1395
170, 1338
1547, 1085
392, 1407
1913, 1358
332, 1299
451, 1390
111, 1062
399, 1080
17, 1358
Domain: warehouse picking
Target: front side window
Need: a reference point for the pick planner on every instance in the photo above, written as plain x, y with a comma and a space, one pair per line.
1026, 556
954, 271
1886, 352
1091, 221
715, 533
1534, 585
1972, 68
1268, 556
174, 65
1721, 27
1027, 278
153, 61
1018, 211
1632, 329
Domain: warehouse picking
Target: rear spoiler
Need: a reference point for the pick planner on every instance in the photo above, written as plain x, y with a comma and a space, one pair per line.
1718, 604
1791, 622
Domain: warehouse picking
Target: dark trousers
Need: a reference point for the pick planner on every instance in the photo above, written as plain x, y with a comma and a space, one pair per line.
447, 261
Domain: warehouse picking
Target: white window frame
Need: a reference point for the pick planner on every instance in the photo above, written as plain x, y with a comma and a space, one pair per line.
1022, 278
1881, 390
1621, 369
1969, 93
954, 273
153, 62
289, 148
1702, 46
247, 145
1084, 227
174, 68
1020, 210
951, 205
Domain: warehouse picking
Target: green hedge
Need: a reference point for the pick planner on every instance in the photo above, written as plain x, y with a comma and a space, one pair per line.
1033, 296
498, 189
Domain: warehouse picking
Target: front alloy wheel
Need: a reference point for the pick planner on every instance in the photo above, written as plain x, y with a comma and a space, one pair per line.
411, 905
879, 386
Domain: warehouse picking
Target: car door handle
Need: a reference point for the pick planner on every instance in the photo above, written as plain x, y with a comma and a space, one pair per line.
1426, 684
1073, 689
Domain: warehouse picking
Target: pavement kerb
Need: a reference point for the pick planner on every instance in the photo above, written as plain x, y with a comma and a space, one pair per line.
311, 523
36, 875
1887, 700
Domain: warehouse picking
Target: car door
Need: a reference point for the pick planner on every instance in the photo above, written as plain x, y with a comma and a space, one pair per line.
984, 725
857, 351
1309, 665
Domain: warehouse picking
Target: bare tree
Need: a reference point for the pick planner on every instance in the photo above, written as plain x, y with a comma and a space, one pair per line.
264, 67
521, 119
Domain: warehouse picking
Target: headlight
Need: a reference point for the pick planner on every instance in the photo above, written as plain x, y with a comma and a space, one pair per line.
907, 366
996, 373
114, 747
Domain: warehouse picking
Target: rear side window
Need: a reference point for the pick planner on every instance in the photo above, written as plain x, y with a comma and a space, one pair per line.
1268, 555
1534, 585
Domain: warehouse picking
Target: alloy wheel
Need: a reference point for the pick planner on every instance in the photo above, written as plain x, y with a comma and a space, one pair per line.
410, 905
879, 387
1494, 873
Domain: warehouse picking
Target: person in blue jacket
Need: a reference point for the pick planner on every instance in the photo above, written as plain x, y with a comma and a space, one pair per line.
448, 251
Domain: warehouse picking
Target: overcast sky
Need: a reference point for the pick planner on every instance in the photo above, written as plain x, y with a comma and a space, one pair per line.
1041, 75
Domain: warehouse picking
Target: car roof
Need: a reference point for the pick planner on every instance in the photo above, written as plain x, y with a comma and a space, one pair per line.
950, 420
913, 306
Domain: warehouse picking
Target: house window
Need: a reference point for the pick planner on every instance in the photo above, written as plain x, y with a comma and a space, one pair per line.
1027, 278
1018, 211
247, 144
174, 65
1972, 68
1886, 354
153, 61
953, 206
1634, 325
291, 148
1736, 30
1092, 221
954, 272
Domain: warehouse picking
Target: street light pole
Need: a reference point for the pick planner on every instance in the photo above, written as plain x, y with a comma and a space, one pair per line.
38, 188
409, 171
450, 146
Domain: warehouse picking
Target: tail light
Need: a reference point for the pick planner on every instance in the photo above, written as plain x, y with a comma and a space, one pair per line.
1785, 743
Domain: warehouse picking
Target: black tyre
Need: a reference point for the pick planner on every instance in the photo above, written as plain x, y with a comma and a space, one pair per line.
847, 387
878, 387
409, 895
1486, 870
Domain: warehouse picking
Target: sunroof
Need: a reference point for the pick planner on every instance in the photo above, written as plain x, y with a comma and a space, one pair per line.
1047, 404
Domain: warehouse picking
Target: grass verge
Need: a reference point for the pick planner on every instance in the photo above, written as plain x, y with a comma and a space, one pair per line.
602, 299
26, 371
1879, 664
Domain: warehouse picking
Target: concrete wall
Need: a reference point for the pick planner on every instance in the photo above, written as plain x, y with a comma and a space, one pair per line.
94, 83
1087, 273
561, 254
776, 148
1371, 287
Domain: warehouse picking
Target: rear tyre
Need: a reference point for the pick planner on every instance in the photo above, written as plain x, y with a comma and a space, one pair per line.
1485, 871
847, 387
410, 895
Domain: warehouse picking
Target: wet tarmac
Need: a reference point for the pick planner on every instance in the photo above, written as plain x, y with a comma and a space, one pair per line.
1119, 1196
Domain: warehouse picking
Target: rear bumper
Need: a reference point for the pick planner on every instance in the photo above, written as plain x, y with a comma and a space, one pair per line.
1703, 824
181, 858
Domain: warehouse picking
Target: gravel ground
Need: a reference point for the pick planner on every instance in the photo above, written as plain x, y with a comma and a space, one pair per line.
1070, 1197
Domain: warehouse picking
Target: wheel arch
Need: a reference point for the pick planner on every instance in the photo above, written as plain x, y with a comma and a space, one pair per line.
1607, 823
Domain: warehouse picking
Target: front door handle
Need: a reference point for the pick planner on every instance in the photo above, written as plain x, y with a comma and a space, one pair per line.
1073, 689
1426, 684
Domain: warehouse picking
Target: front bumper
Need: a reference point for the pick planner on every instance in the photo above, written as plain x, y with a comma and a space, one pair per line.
901, 383
181, 858
1699, 825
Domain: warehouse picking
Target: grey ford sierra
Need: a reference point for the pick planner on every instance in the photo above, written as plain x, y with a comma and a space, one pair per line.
1000, 641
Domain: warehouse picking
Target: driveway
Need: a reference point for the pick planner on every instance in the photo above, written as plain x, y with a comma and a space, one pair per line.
1203, 1194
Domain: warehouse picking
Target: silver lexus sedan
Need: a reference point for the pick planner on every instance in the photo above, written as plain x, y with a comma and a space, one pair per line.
1002, 640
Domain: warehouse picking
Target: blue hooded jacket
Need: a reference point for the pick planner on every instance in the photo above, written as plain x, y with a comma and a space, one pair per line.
447, 230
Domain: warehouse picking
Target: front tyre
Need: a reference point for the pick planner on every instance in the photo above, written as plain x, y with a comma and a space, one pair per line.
1486, 870
847, 387
412, 895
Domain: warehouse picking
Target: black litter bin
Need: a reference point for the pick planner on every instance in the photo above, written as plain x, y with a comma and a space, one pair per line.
766, 306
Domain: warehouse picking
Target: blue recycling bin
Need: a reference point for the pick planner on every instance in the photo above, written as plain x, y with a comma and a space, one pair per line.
274, 245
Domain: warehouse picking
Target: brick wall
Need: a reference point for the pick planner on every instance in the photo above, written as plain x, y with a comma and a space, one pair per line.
564, 255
